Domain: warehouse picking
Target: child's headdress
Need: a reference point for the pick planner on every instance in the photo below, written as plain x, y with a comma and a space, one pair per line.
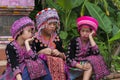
19, 24
87, 20
47, 15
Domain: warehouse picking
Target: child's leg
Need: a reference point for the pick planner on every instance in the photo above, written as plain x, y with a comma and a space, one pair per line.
25, 75
87, 73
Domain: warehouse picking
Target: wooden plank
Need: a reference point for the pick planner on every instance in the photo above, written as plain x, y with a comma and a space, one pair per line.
113, 76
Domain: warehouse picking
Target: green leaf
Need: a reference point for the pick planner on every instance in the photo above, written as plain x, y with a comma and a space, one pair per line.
76, 3
115, 30
69, 4
65, 4
115, 37
72, 20
63, 34
104, 21
118, 19
52, 4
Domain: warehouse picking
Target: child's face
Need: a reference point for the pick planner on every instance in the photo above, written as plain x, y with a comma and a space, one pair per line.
27, 32
50, 27
84, 32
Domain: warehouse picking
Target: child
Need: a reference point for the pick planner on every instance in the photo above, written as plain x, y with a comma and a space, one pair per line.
19, 53
83, 54
48, 44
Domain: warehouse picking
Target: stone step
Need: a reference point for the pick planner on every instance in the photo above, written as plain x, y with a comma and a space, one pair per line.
2, 66
2, 54
3, 60
2, 69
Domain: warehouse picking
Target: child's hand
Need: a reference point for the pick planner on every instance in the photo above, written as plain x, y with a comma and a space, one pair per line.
27, 43
46, 51
86, 66
55, 52
92, 33
28, 40
18, 77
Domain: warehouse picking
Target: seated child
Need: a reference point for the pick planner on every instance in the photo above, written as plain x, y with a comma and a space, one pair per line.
83, 55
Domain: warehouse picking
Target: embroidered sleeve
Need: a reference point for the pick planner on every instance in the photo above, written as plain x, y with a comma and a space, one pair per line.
58, 43
70, 56
37, 45
32, 54
95, 50
12, 58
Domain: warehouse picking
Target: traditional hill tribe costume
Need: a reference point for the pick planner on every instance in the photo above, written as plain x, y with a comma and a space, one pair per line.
78, 54
18, 56
55, 63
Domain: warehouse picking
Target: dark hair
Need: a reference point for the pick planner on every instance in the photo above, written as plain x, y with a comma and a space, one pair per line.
91, 28
21, 29
19, 34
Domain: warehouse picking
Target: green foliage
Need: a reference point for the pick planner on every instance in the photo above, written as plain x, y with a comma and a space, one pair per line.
115, 37
104, 22
116, 62
63, 34
52, 4
62, 4
115, 30
118, 19
116, 3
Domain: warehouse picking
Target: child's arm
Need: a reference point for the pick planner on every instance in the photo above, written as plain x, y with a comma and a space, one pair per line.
46, 51
94, 47
59, 51
92, 42
55, 52
12, 58
27, 45
28, 48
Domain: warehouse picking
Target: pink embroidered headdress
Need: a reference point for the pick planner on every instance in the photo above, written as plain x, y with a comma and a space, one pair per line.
19, 24
47, 15
87, 20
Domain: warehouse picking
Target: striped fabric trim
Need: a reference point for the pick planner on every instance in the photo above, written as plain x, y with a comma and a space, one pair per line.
87, 22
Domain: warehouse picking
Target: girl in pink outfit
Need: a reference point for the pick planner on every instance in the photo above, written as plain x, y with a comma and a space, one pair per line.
19, 53
83, 55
